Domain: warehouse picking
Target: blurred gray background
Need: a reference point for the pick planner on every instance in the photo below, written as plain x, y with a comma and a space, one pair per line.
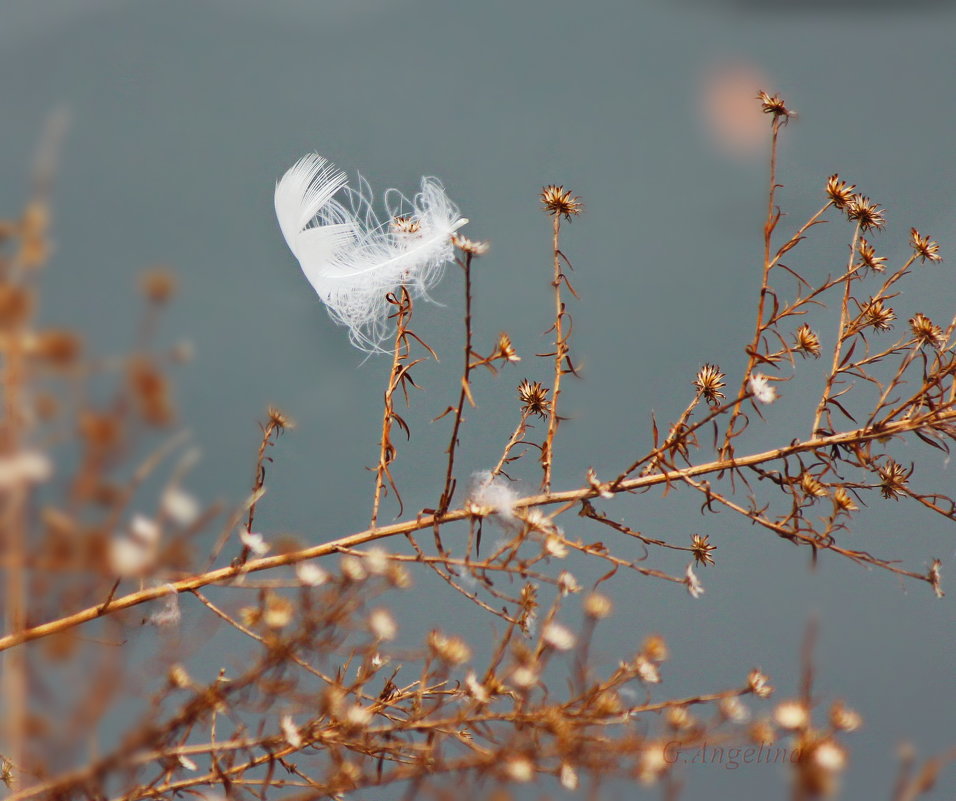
184, 113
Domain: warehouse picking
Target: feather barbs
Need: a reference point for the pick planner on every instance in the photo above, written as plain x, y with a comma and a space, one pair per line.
353, 259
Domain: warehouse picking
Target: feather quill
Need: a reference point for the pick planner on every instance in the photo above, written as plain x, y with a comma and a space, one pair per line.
350, 256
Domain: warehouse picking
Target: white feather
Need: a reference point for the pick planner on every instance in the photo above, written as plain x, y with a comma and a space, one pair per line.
353, 259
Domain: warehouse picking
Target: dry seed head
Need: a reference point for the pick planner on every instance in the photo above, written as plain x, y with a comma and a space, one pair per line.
878, 314
178, 677
158, 285
762, 733
558, 636
469, 246
701, 549
819, 772
839, 191
733, 709
694, 587
647, 671
352, 569
868, 214
605, 704
382, 624
557, 200
807, 342
150, 392
598, 606
924, 247
709, 382
843, 501
844, 718
519, 769
59, 349
534, 398
655, 648
759, 684
476, 689
16, 305
935, 577
278, 611
680, 719
567, 583
406, 225
653, 762
774, 104
568, 777
811, 487
791, 715
450, 650
893, 479
279, 419
311, 574
868, 257
505, 350
926, 333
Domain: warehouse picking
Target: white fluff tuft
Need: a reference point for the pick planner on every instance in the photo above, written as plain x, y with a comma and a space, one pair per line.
490, 494
352, 258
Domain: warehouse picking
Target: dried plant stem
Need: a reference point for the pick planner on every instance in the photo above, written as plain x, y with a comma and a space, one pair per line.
269, 429
675, 437
232, 572
560, 354
773, 216
14, 526
400, 353
516, 436
464, 393
841, 333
